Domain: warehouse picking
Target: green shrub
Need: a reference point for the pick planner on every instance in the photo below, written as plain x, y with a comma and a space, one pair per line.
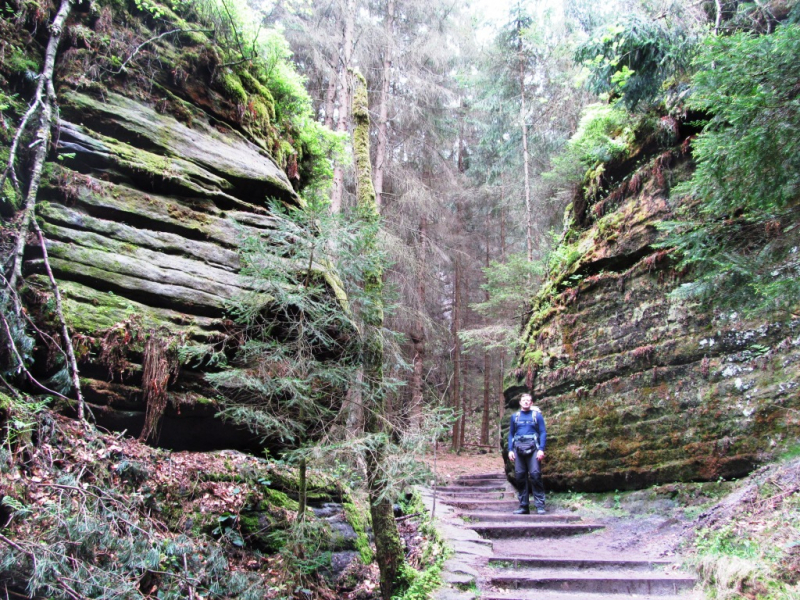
740, 235
606, 132
632, 59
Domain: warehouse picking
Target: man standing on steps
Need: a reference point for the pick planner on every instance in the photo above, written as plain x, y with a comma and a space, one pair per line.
526, 439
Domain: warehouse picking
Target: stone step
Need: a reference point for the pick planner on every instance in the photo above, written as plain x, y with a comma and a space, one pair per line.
480, 482
482, 476
654, 584
528, 530
487, 505
472, 489
555, 595
527, 562
479, 496
494, 517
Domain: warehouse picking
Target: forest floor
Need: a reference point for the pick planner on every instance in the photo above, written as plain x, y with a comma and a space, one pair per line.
62, 470
448, 466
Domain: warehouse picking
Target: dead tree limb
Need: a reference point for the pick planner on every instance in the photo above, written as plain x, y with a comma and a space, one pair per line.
45, 98
21, 366
153, 39
12, 390
71, 361
52, 343
44, 101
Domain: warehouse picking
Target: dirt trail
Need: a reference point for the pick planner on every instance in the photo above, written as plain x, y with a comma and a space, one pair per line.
563, 555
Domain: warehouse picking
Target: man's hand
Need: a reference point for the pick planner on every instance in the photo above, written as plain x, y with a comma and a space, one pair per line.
540, 455
511, 456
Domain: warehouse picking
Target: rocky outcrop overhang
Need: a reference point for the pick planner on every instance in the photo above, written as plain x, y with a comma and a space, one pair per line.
640, 386
155, 178
143, 217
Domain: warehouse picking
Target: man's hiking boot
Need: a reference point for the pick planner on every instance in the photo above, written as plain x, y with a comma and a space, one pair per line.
522, 511
540, 511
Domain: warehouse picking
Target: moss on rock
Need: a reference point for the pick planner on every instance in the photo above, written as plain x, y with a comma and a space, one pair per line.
639, 386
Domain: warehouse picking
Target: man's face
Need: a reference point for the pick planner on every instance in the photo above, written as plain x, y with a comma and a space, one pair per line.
525, 403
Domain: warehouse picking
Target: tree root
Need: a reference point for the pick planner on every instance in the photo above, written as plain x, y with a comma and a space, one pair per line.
159, 366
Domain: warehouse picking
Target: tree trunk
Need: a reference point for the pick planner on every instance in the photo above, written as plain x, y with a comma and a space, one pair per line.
418, 363
462, 427
456, 393
501, 409
389, 549
458, 425
302, 492
353, 405
343, 123
383, 116
525, 159
502, 226
486, 359
418, 331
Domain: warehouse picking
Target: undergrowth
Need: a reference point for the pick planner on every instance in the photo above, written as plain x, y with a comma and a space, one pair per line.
422, 571
91, 515
749, 545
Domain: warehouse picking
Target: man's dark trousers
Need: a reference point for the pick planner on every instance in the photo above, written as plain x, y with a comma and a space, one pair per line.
529, 479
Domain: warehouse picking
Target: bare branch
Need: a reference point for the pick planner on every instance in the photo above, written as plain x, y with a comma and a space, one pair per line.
43, 134
153, 39
21, 366
71, 361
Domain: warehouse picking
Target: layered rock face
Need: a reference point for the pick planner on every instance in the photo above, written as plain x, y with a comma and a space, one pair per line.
142, 228
637, 385
154, 181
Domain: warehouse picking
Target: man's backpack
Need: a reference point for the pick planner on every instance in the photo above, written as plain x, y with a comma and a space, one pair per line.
529, 446
534, 410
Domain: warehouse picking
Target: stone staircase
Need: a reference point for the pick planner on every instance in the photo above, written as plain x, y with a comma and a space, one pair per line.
557, 556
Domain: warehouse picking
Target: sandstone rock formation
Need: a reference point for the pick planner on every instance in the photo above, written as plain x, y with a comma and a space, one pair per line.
159, 170
639, 385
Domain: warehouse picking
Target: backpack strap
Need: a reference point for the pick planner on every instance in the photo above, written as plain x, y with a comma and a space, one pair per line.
534, 410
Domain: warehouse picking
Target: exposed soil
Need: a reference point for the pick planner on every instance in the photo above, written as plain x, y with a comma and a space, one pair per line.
448, 466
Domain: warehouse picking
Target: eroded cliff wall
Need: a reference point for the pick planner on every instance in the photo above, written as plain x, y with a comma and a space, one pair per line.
638, 385
161, 165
